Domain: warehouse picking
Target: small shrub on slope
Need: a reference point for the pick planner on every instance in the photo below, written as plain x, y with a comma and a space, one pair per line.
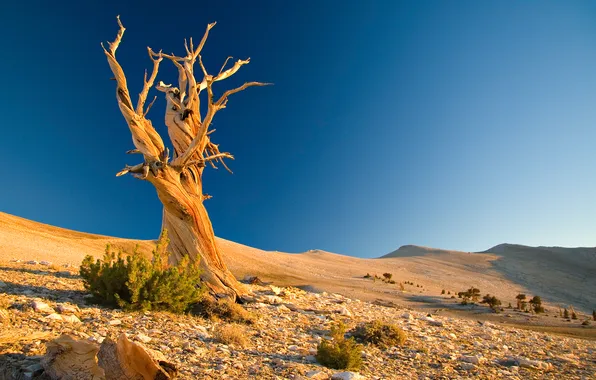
340, 353
135, 283
223, 309
231, 334
380, 334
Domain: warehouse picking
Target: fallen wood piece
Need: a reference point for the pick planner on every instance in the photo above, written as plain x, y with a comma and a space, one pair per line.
126, 360
68, 358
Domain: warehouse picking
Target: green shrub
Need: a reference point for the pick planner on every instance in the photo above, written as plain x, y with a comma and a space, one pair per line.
387, 276
223, 309
135, 283
491, 301
471, 294
380, 334
340, 353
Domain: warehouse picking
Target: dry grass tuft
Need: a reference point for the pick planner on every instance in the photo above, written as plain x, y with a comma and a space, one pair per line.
224, 309
231, 334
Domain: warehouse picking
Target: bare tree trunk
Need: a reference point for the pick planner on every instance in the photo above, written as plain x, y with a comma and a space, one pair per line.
191, 234
179, 182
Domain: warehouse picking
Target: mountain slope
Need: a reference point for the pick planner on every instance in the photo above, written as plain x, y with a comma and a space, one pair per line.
502, 274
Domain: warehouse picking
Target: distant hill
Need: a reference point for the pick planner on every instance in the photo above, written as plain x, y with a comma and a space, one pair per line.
416, 250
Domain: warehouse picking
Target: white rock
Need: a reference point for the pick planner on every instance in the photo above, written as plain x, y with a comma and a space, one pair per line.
275, 290
407, 316
346, 376
42, 307
115, 322
32, 262
143, 338
272, 300
71, 318
46, 263
65, 308
344, 311
316, 375
293, 347
54, 317
474, 359
452, 336
535, 364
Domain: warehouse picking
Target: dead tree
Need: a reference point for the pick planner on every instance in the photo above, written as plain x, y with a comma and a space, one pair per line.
178, 180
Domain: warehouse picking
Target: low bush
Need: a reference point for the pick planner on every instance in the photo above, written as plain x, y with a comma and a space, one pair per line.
491, 301
380, 334
231, 334
223, 309
132, 282
339, 353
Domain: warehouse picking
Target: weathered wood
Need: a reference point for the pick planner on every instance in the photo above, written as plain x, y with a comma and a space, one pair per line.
70, 359
179, 182
126, 360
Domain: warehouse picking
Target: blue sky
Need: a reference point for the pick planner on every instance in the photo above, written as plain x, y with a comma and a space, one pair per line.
457, 125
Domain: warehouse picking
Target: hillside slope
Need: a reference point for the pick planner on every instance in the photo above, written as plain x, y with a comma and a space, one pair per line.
431, 269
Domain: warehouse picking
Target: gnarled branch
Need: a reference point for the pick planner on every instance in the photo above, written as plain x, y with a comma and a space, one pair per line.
144, 136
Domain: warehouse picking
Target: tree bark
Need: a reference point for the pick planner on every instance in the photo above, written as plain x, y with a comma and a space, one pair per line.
191, 232
179, 182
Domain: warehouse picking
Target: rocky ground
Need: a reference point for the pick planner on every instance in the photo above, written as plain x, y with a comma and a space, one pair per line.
40, 302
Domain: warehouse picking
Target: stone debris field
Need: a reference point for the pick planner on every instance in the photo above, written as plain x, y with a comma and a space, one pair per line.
40, 302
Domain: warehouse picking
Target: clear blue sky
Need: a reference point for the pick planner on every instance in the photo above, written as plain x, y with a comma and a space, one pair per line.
452, 124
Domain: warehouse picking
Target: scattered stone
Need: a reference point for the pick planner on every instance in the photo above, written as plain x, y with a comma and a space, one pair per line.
470, 359
345, 312
65, 309
272, 300
316, 375
32, 262
54, 317
45, 263
42, 307
115, 322
71, 318
346, 376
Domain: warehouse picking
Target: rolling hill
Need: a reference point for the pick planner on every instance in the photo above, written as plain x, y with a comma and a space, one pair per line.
559, 275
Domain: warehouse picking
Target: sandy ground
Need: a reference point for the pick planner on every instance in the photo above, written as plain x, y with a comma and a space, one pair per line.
557, 276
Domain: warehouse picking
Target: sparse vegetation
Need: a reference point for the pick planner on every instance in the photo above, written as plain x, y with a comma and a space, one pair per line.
367, 275
536, 304
223, 309
380, 334
566, 314
340, 353
472, 294
521, 301
132, 282
387, 276
443, 291
573, 315
594, 315
491, 301
231, 334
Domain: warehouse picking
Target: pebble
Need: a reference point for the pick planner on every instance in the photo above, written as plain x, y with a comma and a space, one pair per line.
346, 376
42, 307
